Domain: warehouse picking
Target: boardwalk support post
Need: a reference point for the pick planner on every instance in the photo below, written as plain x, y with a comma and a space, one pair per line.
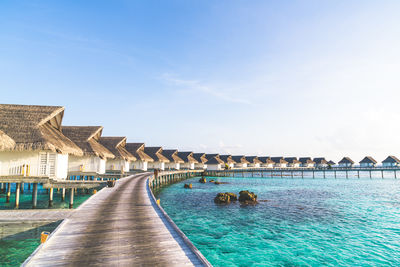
51, 197
71, 198
17, 192
34, 195
8, 193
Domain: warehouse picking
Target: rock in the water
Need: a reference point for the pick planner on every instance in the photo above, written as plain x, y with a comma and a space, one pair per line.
188, 186
222, 198
212, 181
247, 197
216, 182
232, 196
203, 180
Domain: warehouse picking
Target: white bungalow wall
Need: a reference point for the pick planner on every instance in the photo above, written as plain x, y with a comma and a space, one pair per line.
156, 165
139, 165
37, 163
214, 167
86, 164
117, 165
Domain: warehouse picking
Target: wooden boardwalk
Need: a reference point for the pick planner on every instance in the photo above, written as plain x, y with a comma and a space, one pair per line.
118, 226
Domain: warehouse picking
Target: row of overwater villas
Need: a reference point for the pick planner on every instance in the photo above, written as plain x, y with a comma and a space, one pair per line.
33, 142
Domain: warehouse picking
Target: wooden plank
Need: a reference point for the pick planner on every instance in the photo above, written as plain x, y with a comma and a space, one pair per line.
116, 227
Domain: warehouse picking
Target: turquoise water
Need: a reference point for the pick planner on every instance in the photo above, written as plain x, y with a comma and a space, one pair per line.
304, 222
14, 249
43, 199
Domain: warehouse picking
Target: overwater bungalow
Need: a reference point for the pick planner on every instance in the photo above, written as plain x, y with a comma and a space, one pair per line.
306, 162
321, 162
368, 162
159, 160
266, 162
279, 162
214, 162
331, 163
142, 159
240, 162
346, 162
174, 161
95, 155
391, 161
254, 162
31, 141
292, 162
189, 160
122, 160
201, 161
228, 160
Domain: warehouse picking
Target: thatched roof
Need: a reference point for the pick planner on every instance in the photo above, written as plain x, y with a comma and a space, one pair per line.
187, 157
116, 144
278, 160
156, 153
6, 142
368, 159
36, 128
346, 160
292, 160
331, 162
137, 150
306, 160
214, 159
253, 159
240, 159
265, 160
227, 158
391, 159
320, 161
87, 139
200, 157
172, 155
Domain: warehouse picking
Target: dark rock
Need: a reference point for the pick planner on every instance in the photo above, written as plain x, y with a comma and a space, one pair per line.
222, 198
203, 180
232, 196
216, 182
212, 181
246, 197
188, 186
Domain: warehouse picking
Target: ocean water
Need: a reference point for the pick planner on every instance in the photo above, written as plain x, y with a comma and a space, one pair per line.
300, 222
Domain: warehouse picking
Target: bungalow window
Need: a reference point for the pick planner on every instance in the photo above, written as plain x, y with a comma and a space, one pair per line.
47, 164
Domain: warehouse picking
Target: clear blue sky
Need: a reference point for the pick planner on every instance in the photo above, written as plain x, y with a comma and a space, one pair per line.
292, 78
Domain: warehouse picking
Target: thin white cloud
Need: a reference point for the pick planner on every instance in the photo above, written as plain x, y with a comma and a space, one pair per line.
197, 86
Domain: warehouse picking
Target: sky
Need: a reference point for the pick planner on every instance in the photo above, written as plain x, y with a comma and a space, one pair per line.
266, 78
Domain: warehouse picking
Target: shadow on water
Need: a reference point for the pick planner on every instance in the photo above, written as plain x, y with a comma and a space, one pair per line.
19, 239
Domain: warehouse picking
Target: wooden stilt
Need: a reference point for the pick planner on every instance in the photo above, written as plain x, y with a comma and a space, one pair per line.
51, 197
71, 198
17, 193
34, 195
8, 193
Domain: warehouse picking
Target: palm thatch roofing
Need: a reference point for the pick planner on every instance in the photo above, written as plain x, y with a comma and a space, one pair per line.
35, 128
292, 160
320, 161
331, 162
265, 160
137, 150
87, 139
200, 157
6, 142
306, 160
368, 159
187, 156
116, 144
156, 153
278, 160
240, 159
228, 159
346, 160
172, 155
253, 159
391, 159
214, 159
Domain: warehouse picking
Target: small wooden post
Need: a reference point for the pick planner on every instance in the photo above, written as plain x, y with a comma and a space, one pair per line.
395, 177
358, 174
34, 195
71, 198
22, 188
347, 174
63, 194
17, 192
335, 173
302, 174
29, 186
8, 193
2, 187
313, 174
370, 175
324, 173
51, 197
382, 173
